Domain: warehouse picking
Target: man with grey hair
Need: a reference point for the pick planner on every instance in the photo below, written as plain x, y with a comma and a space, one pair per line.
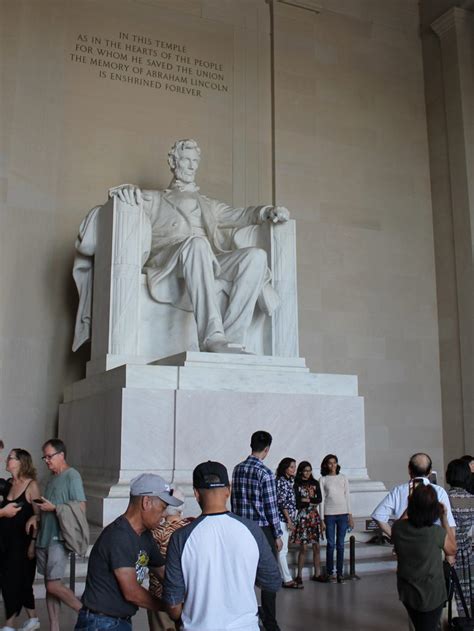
193, 262
121, 556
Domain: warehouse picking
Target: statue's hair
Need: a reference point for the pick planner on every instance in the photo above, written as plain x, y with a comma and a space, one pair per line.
180, 145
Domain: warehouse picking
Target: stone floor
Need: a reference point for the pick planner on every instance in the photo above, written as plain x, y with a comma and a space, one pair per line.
370, 604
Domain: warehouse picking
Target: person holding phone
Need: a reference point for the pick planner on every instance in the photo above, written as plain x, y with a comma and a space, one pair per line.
309, 528
64, 486
17, 562
418, 543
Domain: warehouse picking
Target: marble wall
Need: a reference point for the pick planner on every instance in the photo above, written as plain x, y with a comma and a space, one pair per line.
349, 157
352, 157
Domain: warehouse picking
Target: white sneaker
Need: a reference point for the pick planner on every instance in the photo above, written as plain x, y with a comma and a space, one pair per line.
30, 625
7, 629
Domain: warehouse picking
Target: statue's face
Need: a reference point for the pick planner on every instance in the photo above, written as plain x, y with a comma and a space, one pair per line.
186, 165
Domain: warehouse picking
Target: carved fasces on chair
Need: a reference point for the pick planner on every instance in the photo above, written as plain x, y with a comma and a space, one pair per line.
123, 246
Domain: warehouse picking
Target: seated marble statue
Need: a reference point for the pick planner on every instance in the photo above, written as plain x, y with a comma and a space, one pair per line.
189, 260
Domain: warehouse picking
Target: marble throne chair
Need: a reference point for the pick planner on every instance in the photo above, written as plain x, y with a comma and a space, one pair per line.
129, 327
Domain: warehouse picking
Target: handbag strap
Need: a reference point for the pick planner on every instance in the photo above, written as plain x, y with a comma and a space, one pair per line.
457, 588
464, 562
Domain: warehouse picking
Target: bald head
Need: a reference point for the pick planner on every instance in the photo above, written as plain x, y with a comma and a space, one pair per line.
420, 465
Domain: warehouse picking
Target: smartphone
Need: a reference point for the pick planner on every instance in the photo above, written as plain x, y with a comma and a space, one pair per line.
38, 501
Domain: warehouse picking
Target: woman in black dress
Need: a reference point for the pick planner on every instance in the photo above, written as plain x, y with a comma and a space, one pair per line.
17, 563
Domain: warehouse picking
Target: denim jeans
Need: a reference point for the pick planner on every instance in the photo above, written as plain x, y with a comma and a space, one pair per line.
335, 524
267, 611
90, 621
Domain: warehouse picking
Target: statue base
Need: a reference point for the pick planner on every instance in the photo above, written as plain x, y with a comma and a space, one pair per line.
169, 416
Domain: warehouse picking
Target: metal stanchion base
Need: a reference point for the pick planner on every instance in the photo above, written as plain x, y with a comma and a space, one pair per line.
354, 577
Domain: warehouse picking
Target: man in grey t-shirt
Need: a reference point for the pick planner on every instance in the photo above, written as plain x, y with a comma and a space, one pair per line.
121, 557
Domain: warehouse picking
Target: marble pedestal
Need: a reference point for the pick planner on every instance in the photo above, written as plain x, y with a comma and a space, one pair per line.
169, 416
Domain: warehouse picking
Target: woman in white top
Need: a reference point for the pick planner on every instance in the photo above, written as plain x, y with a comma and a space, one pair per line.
336, 509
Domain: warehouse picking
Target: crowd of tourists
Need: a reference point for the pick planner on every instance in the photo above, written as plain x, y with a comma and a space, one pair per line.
202, 571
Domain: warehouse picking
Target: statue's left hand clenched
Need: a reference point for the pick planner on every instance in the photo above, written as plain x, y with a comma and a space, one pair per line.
277, 214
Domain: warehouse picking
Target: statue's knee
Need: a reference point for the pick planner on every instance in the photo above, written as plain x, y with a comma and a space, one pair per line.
259, 257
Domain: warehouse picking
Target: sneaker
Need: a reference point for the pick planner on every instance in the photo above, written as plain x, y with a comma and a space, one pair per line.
341, 580
7, 629
332, 578
30, 625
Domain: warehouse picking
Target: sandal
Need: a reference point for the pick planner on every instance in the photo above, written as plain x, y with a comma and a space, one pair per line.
319, 579
298, 580
292, 585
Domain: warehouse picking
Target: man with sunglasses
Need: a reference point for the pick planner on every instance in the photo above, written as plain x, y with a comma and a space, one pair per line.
64, 486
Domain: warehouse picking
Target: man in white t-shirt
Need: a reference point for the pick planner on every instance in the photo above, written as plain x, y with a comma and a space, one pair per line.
213, 563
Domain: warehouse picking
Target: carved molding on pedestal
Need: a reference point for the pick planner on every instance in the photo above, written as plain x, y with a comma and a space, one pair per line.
309, 5
450, 20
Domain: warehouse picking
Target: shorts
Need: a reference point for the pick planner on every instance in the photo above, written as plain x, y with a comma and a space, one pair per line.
52, 561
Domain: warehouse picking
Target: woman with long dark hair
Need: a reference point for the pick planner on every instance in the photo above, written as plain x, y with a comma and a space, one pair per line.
418, 544
337, 514
459, 478
287, 511
17, 565
308, 527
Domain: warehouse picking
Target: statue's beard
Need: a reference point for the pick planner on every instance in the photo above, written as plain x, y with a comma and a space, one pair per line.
184, 185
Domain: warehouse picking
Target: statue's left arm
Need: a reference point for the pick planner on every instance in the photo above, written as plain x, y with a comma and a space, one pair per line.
229, 217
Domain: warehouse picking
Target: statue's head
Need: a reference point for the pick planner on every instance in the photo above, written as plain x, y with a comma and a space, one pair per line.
183, 158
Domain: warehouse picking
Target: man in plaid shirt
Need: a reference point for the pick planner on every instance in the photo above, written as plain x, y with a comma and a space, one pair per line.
254, 497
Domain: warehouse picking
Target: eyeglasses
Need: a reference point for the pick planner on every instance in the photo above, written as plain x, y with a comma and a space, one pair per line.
49, 457
307, 470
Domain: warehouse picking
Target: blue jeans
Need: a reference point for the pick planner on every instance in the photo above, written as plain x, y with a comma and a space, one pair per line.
90, 621
339, 523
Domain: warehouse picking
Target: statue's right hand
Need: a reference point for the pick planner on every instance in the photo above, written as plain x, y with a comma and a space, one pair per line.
127, 193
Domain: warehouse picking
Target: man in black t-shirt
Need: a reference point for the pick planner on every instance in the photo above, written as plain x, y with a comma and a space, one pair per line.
121, 556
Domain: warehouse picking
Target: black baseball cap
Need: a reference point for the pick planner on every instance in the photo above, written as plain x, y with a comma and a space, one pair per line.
210, 475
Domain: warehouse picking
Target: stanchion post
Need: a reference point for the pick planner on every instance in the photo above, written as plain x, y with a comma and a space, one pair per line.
352, 563
72, 571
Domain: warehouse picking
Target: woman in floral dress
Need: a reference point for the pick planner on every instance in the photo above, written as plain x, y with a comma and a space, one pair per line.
458, 476
308, 526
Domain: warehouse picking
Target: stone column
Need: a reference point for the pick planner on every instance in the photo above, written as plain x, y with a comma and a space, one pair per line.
455, 30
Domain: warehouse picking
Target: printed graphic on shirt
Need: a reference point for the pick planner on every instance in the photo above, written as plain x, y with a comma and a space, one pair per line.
141, 566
